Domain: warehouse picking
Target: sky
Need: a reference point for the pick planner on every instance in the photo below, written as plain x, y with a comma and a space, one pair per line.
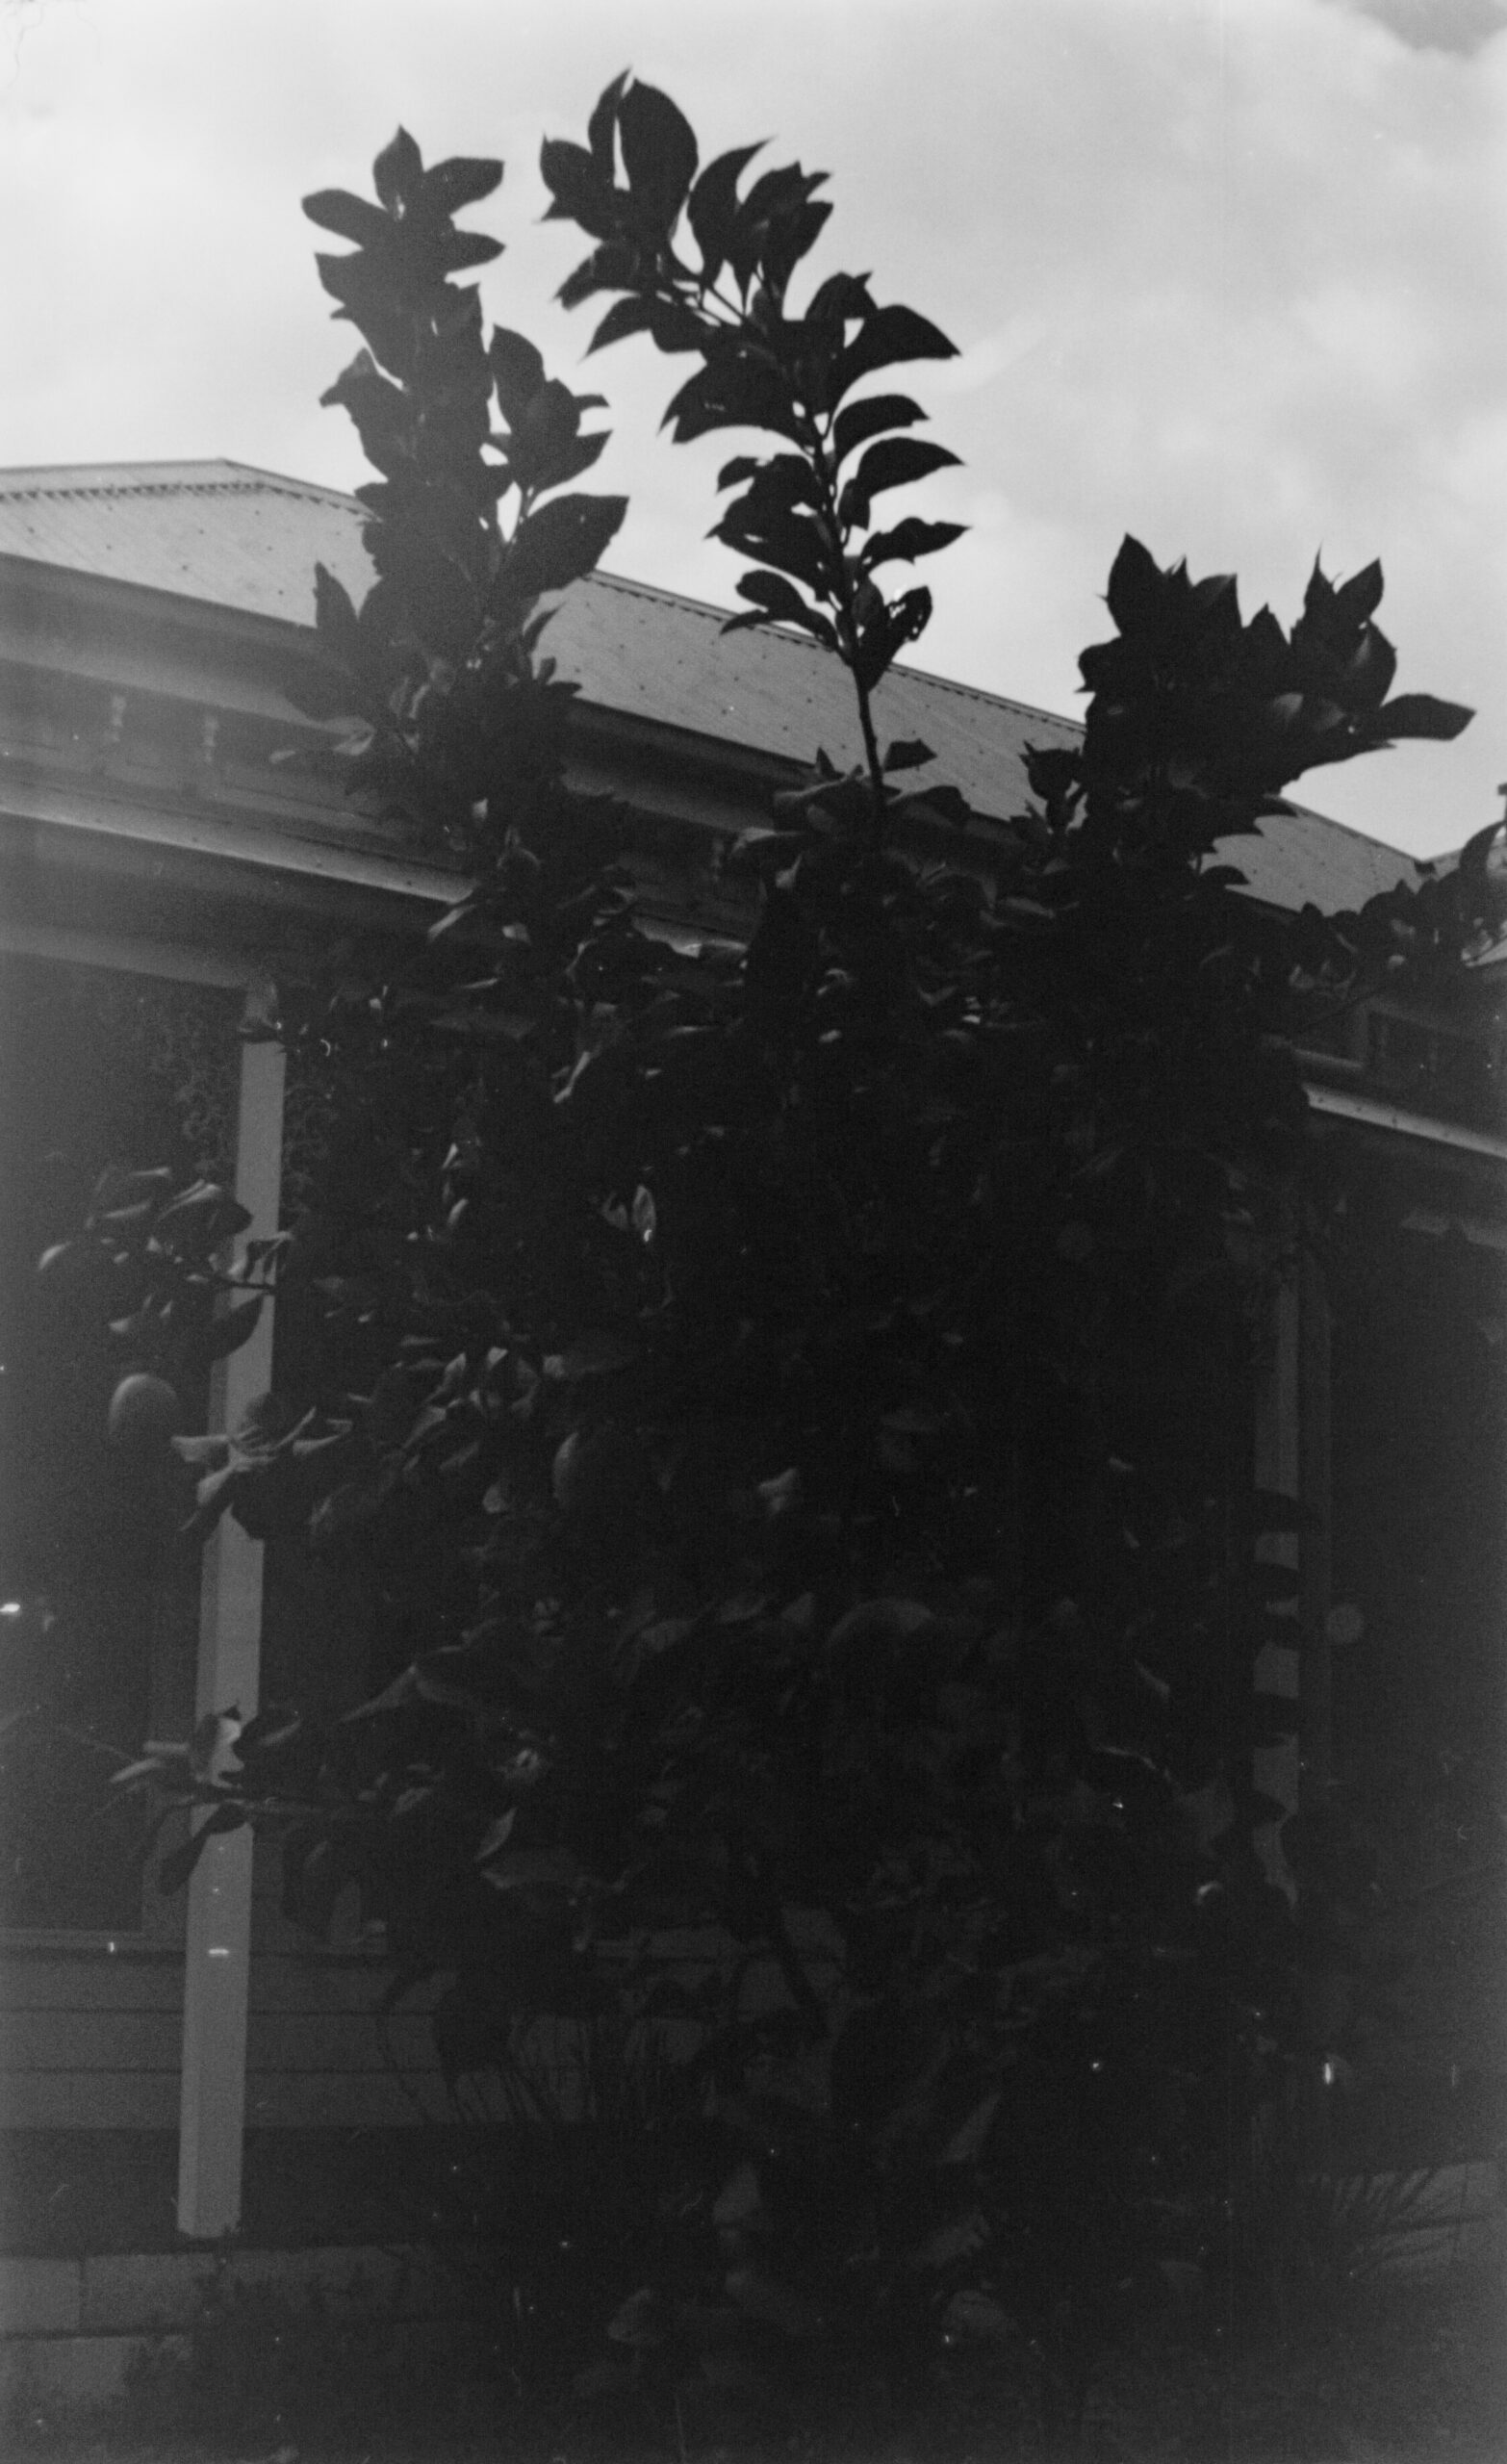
1230, 275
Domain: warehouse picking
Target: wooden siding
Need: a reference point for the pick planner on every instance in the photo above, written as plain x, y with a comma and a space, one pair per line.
92, 2040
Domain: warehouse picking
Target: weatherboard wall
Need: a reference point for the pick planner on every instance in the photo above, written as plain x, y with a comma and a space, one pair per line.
91, 2039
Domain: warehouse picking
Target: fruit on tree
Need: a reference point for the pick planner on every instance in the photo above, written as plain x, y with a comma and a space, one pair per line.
143, 1411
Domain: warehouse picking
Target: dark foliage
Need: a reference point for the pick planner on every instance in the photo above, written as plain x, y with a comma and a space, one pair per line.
791, 1411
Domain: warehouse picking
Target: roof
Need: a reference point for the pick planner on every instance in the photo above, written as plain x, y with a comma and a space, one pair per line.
208, 530
224, 534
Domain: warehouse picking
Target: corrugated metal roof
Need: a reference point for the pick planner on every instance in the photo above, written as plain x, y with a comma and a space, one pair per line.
245, 539
211, 530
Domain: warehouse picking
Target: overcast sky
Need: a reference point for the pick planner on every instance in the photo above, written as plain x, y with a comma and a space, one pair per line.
1227, 273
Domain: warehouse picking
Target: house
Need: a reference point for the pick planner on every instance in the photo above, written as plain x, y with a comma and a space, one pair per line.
156, 867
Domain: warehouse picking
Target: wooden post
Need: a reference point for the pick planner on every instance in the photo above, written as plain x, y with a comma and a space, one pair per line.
217, 1953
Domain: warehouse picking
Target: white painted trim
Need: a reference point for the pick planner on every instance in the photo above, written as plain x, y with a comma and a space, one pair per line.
1376, 1115
250, 839
1486, 1236
217, 1948
174, 961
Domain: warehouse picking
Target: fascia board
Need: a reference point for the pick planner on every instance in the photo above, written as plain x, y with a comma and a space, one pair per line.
128, 637
31, 581
129, 954
69, 813
1369, 1112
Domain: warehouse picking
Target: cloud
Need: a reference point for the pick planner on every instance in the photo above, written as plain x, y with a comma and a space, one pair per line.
1436, 25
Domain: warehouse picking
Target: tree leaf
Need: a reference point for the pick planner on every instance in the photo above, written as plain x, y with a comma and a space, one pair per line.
876, 412
817, 626
943, 803
909, 540
546, 427
335, 616
560, 542
740, 2202
966, 2144
518, 373
397, 173
1421, 715
460, 914
774, 226
1475, 856
1137, 587
1369, 672
733, 389
151, 1766
612, 266
886, 336
206, 1210
763, 2297
382, 412
778, 485
778, 602
624, 317
460, 250
227, 1332
677, 327
641, 2320
790, 238
1359, 598
886, 634
597, 1354
659, 152
907, 753
792, 541
579, 191
571, 461
876, 1622
349, 217
893, 463
712, 205
496, 1836
465, 179
784, 190
839, 300
963, 2239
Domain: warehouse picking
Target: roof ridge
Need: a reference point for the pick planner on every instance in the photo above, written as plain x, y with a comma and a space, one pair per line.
217, 475
282, 483
143, 488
